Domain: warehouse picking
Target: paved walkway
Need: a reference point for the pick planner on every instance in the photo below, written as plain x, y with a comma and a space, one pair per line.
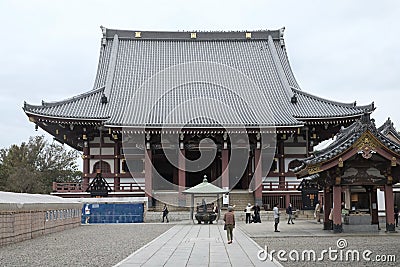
198, 245
188, 244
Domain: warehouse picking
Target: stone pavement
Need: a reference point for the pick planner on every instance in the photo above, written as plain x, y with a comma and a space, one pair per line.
301, 228
188, 244
198, 245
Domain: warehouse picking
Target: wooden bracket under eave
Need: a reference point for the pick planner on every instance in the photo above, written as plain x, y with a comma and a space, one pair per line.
393, 162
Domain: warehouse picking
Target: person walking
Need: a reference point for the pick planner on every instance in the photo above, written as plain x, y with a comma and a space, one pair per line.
289, 212
247, 210
317, 212
276, 216
396, 215
229, 219
165, 213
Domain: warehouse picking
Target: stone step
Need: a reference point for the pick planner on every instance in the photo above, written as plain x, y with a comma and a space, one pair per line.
240, 199
347, 228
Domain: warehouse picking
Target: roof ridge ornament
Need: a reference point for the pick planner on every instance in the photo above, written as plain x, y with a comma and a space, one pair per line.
365, 118
104, 99
294, 99
104, 32
281, 33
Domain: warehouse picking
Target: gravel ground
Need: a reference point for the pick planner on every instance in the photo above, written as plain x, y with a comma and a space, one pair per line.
108, 244
87, 245
379, 245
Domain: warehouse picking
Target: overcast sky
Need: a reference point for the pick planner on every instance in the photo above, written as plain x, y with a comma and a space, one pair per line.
341, 50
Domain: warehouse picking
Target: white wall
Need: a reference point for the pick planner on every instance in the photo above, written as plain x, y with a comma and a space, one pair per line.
295, 150
104, 151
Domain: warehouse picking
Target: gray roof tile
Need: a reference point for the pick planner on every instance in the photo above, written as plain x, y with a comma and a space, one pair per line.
219, 78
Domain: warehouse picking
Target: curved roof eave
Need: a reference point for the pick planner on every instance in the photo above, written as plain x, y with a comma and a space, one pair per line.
369, 107
65, 101
65, 118
206, 126
333, 117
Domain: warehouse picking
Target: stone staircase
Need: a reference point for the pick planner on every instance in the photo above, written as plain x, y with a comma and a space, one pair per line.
304, 214
240, 198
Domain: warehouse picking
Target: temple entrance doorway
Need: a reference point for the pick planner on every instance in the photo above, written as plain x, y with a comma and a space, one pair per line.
166, 174
212, 171
240, 177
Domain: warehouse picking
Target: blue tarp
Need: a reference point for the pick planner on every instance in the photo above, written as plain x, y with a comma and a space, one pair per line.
114, 213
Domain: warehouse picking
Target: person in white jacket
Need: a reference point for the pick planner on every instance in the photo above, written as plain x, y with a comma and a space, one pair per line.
317, 212
276, 216
248, 212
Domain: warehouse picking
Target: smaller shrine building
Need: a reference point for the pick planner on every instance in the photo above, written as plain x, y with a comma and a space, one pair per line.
362, 160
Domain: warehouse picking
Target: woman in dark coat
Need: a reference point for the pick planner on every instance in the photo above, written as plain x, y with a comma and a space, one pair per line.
229, 219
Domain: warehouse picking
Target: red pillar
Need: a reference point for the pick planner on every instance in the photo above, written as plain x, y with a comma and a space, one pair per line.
148, 177
337, 209
327, 208
86, 167
389, 203
281, 162
181, 177
116, 167
258, 177
225, 168
374, 206
287, 199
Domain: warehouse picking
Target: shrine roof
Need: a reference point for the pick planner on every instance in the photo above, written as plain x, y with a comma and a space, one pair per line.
346, 138
205, 188
387, 129
196, 79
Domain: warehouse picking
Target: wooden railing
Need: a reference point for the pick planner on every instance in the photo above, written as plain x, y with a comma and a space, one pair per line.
78, 187
67, 187
276, 186
128, 187
133, 187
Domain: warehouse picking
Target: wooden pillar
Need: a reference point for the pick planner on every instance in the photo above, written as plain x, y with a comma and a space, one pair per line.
148, 176
327, 208
225, 168
281, 162
181, 177
287, 199
389, 203
374, 206
86, 166
337, 209
258, 177
116, 166
175, 176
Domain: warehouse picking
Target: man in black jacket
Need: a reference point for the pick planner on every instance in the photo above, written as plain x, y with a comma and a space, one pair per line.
289, 212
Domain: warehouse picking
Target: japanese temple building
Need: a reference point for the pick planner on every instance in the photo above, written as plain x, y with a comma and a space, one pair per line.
161, 97
362, 160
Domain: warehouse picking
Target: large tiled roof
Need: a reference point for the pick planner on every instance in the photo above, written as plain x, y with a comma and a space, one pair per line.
345, 139
199, 79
